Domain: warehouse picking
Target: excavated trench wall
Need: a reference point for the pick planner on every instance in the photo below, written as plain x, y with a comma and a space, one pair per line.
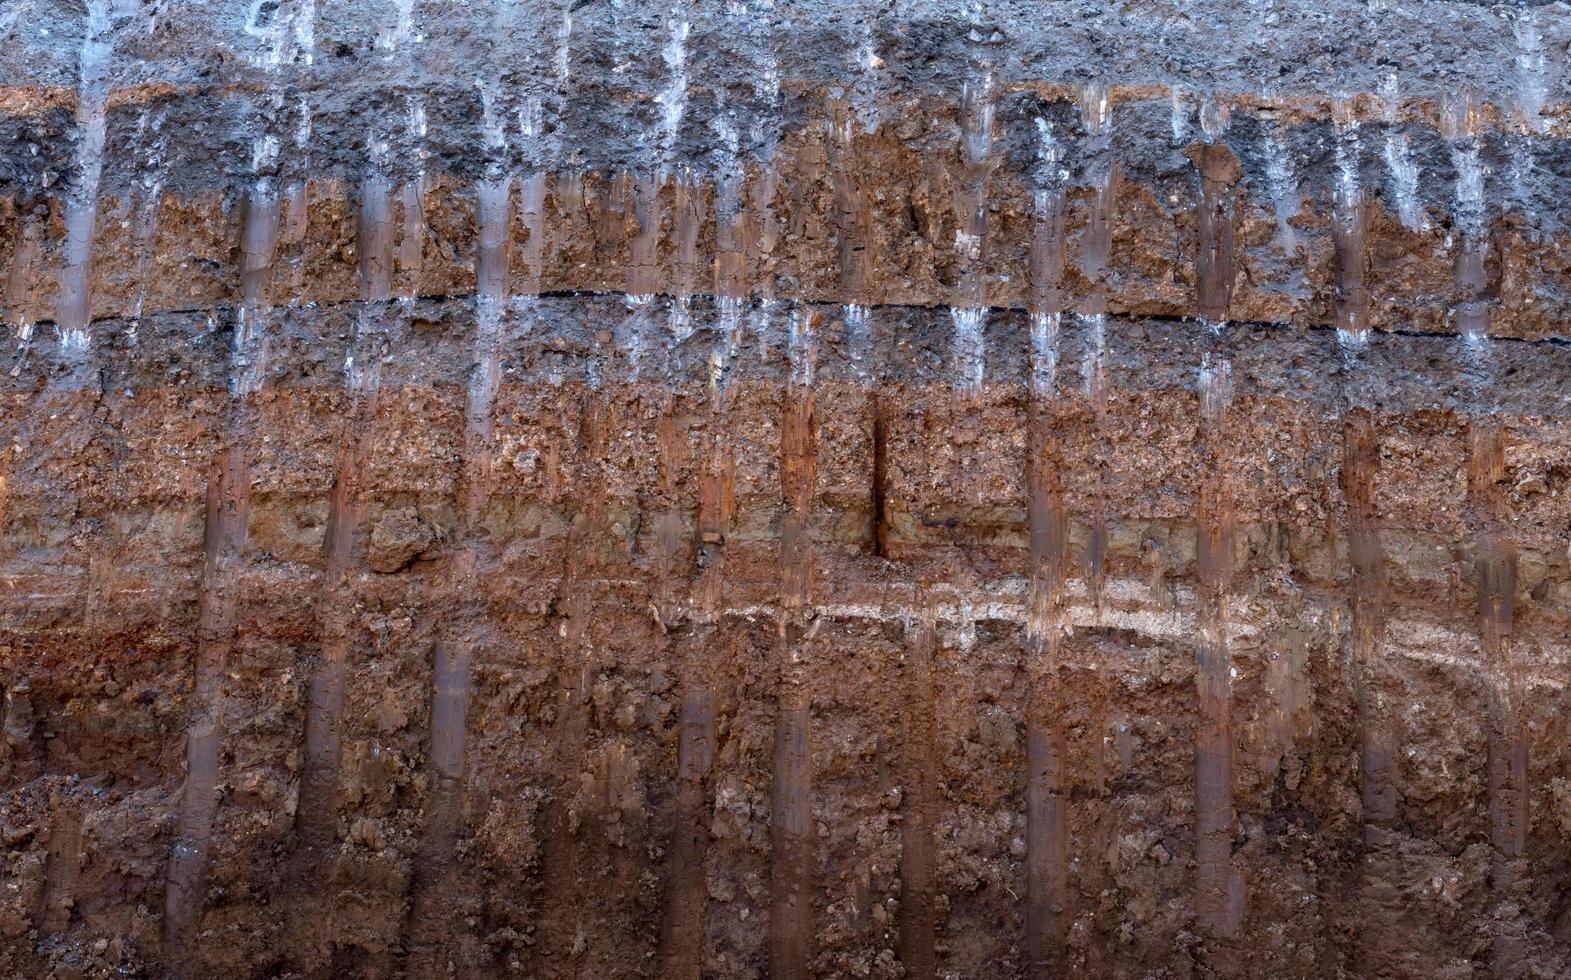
738, 490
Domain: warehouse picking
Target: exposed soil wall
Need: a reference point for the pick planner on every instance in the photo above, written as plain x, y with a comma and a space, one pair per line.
804, 493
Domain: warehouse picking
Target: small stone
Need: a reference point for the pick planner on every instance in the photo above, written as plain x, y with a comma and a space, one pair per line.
398, 539
626, 717
365, 832
390, 715
721, 889
659, 680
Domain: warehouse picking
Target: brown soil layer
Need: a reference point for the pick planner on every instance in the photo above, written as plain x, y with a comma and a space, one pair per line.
731, 684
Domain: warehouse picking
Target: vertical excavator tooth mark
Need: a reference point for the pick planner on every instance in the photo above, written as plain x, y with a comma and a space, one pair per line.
61, 868
1349, 237
803, 228
561, 919
224, 537
1047, 845
1047, 798
643, 267
1095, 254
1219, 171
1495, 571
792, 840
716, 498
375, 239
567, 191
689, 207
316, 812
970, 351
150, 175
491, 277
682, 920
1495, 567
798, 466
316, 815
22, 287
1472, 281
74, 308
1097, 239
100, 585
1360, 469
1219, 885
918, 828
1378, 739
879, 489
184, 886
968, 311
411, 241
668, 530
436, 860
296, 236
1282, 179
258, 249
735, 230
1460, 124
681, 945
1402, 173
1096, 553
853, 219
792, 851
18, 759
616, 829
611, 199
531, 206
1047, 261
764, 233
435, 884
